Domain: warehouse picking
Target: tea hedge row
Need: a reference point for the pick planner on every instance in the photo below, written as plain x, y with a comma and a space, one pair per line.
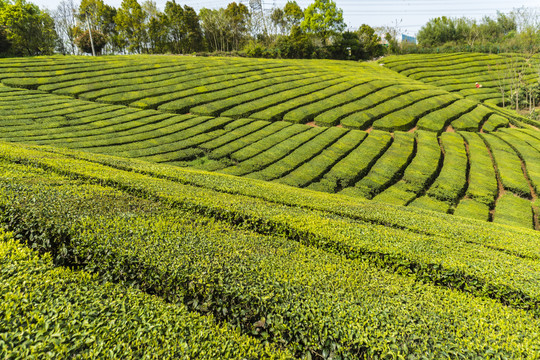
495, 122
421, 172
297, 91
482, 182
388, 168
270, 287
508, 165
365, 118
58, 313
462, 262
452, 180
206, 103
427, 172
432, 121
460, 72
234, 99
472, 121
528, 155
356, 164
243, 146
294, 159
313, 170
414, 60
163, 138
513, 210
474, 209
407, 117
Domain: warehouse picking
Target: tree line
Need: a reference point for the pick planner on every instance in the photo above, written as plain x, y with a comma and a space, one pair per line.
317, 31
517, 31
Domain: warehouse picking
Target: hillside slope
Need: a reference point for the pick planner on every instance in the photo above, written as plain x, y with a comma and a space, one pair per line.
465, 172
237, 208
318, 274
458, 73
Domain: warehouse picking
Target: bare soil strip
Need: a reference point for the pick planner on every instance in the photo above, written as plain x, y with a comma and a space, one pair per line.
449, 128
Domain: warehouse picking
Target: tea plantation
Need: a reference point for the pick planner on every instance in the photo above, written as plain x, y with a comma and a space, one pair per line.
186, 207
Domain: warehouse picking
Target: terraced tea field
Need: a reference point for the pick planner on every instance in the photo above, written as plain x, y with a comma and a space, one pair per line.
458, 73
357, 129
241, 208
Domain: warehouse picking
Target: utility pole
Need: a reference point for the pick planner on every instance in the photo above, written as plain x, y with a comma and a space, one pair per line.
90, 33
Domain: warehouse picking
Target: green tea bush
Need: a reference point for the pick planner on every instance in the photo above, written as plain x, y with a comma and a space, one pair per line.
265, 80
249, 107
240, 142
451, 183
300, 155
202, 87
495, 122
483, 186
425, 164
363, 120
472, 121
513, 210
528, 154
386, 92
255, 148
314, 169
508, 165
64, 314
274, 153
267, 285
406, 118
278, 111
388, 168
439, 119
356, 164
307, 113
472, 209
217, 107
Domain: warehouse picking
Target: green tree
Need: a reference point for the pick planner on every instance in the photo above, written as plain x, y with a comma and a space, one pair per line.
238, 16
29, 30
215, 29
157, 28
293, 14
5, 45
158, 34
347, 47
323, 19
278, 20
65, 23
130, 22
177, 27
370, 42
194, 37
98, 38
437, 31
184, 28
100, 15
297, 45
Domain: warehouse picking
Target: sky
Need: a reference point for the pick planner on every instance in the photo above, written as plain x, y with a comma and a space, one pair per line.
407, 15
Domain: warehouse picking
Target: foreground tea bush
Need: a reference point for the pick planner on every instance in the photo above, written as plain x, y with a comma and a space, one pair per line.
50, 312
314, 303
